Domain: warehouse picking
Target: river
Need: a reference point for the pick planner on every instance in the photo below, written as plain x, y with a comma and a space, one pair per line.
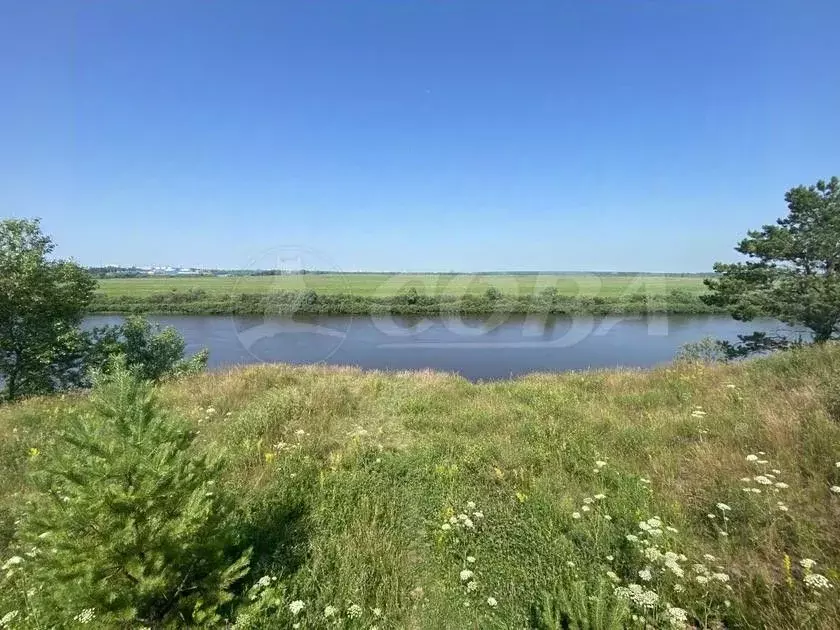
479, 348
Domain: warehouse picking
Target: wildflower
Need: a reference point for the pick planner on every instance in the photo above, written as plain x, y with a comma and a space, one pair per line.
585, 508
652, 553
569, 563
710, 515
709, 557
468, 523
632, 538
816, 581
782, 507
837, 464
607, 517
470, 559
14, 560
264, 581
446, 527
698, 413
600, 464
478, 515
330, 611
647, 599
764, 481
679, 588
781, 484
613, 576
296, 606
701, 579
807, 563
9, 617
674, 568
723, 507
646, 575
589, 500
210, 411
491, 601
835, 489
299, 433
643, 480
610, 558
654, 522
472, 586
746, 479
752, 458
600, 497
762, 461
677, 616
720, 577
466, 575
470, 505
86, 616
673, 530
644, 526
377, 612
755, 490
575, 514
622, 592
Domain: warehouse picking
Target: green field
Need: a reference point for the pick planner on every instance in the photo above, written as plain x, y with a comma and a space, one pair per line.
422, 501
386, 285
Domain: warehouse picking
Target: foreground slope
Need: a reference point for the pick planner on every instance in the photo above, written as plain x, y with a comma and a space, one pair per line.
431, 502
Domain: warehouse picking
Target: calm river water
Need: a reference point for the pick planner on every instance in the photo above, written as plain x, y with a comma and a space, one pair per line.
477, 348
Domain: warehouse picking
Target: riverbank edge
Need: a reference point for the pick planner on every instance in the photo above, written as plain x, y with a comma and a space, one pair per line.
310, 303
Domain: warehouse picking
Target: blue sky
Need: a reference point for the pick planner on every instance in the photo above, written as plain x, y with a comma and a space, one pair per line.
432, 135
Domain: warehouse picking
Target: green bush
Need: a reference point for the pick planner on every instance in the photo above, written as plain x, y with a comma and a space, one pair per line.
127, 525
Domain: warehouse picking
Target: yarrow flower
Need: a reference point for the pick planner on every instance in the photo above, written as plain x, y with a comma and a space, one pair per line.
491, 601
723, 507
296, 606
14, 560
354, 611
835, 489
600, 463
817, 581
470, 559
472, 585
677, 616
752, 458
466, 575
764, 481
9, 617
807, 563
575, 514
86, 616
600, 497
646, 575
330, 611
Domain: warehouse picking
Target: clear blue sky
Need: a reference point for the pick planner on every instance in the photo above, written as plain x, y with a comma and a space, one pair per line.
414, 134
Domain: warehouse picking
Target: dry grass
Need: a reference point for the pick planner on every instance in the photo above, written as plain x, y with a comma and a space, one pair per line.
385, 459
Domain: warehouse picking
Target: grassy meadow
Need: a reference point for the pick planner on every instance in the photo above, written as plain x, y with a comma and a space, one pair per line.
688, 496
428, 294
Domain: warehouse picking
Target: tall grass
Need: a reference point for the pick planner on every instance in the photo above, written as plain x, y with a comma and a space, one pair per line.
609, 499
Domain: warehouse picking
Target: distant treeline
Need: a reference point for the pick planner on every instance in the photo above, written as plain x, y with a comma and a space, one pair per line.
411, 302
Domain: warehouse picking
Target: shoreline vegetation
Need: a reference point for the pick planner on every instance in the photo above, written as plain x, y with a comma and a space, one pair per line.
690, 495
398, 294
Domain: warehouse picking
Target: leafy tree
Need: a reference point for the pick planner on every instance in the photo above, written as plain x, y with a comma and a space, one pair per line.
793, 267
42, 302
152, 352
128, 524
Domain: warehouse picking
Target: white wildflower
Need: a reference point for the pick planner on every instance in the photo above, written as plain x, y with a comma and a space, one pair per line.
807, 563
646, 575
569, 563
296, 606
589, 500
600, 497
377, 612
585, 508
701, 579
709, 557
8, 618
330, 611
679, 588
835, 489
677, 616
446, 527
472, 585
764, 481
673, 530
781, 484
86, 616
600, 464
723, 507
491, 601
264, 581
720, 577
470, 559
632, 538
752, 458
466, 575
470, 505
14, 560
575, 514
817, 581
613, 576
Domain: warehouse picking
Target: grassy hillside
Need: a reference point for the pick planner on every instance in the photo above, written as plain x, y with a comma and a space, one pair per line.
431, 502
402, 293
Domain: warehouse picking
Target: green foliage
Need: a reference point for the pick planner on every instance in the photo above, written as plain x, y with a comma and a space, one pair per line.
707, 350
41, 304
574, 606
127, 522
153, 353
793, 267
